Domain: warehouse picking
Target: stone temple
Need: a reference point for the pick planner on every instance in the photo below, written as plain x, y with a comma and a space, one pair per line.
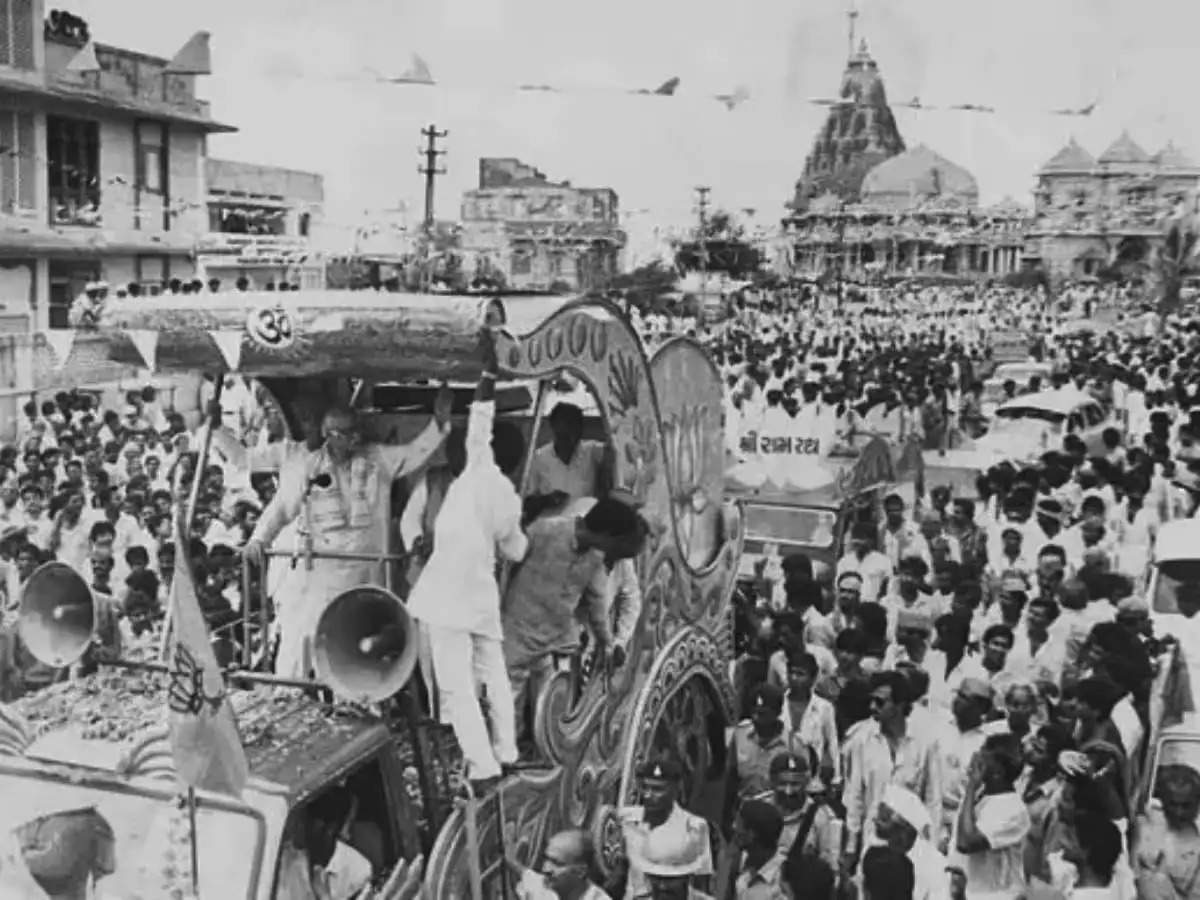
868, 208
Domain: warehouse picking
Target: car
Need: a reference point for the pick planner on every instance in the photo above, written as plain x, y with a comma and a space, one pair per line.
1174, 575
1026, 427
1019, 372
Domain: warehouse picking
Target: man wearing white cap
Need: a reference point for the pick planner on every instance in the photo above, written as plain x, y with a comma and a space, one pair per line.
86, 310
889, 752
903, 823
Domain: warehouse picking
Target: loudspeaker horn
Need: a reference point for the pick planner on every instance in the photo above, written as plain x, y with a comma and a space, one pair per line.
58, 615
365, 646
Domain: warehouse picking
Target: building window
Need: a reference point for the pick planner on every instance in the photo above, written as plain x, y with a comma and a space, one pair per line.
522, 263
303, 224
18, 163
151, 148
16, 34
152, 270
73, 148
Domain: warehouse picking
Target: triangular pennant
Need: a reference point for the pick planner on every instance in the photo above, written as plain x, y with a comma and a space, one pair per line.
60, 340
193, 58
85, 60
230, 345
146, 342
418, 72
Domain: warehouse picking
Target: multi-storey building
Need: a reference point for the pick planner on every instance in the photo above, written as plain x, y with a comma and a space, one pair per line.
261, 223
101, 163
1105, 214
867, 207
539, 234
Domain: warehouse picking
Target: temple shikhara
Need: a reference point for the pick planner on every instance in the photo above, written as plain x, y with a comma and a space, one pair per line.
868, 207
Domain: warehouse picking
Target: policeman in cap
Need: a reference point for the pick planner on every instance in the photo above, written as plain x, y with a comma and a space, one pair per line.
756, 741
796, 791
666, 845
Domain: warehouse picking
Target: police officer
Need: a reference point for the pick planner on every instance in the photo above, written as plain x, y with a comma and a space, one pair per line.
807, 818
665, 844
756, 741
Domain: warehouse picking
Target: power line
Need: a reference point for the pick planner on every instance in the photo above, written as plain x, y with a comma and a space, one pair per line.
430, 170
702, 192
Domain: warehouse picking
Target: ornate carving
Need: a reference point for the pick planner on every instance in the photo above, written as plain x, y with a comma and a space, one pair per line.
693, 653
608, 841
664, 418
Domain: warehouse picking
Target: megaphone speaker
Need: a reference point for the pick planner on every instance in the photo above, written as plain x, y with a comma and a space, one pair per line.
365, 646
58, 615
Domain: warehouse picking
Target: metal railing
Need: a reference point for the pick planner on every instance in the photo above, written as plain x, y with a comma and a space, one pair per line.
384, 560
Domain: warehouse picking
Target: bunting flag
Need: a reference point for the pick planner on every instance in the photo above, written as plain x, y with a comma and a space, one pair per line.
735, 99
917, 105
230, 345
205, 743
418, 72
146, 343
61, 341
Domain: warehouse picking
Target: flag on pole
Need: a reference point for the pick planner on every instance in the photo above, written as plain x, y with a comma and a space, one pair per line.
205, 742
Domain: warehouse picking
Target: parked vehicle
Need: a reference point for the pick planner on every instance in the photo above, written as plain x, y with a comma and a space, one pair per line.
1026, 427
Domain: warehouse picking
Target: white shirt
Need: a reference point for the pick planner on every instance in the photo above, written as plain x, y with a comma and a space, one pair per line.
481, 513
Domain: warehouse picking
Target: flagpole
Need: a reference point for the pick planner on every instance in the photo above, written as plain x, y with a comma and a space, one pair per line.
182, 557
191, 801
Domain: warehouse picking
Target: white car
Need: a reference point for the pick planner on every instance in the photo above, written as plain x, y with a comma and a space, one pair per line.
1176, 570
1018, 372
1026, 427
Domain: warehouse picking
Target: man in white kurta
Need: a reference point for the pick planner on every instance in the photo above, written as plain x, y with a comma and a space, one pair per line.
457, 598
350, 515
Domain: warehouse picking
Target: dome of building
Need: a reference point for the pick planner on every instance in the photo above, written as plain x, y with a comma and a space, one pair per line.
1173, 157
1124, 151
917, 175
1071, 158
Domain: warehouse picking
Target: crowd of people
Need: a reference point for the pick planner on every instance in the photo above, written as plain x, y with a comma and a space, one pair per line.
959, 706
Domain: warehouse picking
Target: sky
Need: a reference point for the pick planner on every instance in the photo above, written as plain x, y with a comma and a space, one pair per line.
291, 74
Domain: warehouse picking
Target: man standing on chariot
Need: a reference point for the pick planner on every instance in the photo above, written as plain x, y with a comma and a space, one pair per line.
342, 494
457, 598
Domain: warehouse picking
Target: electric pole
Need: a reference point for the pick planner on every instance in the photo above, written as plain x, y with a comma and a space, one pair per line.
702, 193
430, 170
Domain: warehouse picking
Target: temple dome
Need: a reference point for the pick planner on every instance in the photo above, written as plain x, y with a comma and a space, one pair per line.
1173, 157
1124, 151
917, 175
1071, 158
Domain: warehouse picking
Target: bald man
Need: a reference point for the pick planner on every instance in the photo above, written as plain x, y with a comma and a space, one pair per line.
563, 874
341, 493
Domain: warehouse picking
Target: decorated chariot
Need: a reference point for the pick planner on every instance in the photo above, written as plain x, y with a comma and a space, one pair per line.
386, 353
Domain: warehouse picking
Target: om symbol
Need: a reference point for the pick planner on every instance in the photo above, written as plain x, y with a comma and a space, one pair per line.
270, 327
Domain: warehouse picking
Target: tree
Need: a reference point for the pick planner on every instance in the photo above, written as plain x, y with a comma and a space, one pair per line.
724, 248
720, 226
646, 286
1173, 257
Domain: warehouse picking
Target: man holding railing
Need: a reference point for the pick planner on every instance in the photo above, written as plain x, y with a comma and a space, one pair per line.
342, 494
